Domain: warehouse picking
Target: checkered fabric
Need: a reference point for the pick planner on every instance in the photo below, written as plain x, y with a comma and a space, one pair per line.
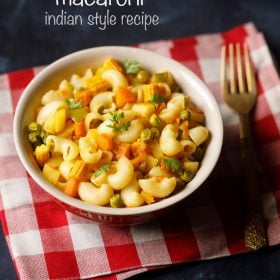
46, 242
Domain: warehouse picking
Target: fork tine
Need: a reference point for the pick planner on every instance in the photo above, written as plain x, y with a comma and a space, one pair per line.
232, 80
250, 75
240, 79
224, 83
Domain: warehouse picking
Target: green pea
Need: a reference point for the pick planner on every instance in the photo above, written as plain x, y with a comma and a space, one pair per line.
186, 176
154, 120
116, 201
143, 77
34, 127
34, 138
185, 115
146, 134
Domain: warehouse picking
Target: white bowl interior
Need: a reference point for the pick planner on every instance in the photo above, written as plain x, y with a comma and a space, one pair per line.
78, 62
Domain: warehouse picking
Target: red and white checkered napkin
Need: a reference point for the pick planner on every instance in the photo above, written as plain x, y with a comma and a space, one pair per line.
47, 242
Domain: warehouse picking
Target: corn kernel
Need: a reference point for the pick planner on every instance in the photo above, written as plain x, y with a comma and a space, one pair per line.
112, 63
155, 89
149, 91
97, 84
78, 170
42, 154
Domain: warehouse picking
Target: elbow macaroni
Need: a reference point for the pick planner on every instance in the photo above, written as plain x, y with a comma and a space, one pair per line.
168, 142
199, 134
65, 169
64, 91
92, 118
123, 175
133, 133
94, 195
158, 188
131, 196
48, 110
80, 82
173, 109
134, 139
104, 102
88, 150
66, 147
157, 171
115, 78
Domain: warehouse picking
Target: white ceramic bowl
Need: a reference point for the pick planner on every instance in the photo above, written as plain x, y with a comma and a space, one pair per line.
77, 63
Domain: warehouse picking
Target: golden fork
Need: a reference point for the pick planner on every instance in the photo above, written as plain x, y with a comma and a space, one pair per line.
240, 93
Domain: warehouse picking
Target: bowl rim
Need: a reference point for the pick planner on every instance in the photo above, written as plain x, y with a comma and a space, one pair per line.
102, 210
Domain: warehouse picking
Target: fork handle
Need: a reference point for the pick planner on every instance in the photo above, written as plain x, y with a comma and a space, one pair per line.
255, 228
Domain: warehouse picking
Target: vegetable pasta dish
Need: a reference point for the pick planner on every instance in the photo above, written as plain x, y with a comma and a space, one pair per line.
119, 136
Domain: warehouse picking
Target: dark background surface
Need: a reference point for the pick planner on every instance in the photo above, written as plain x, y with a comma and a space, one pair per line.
25, 41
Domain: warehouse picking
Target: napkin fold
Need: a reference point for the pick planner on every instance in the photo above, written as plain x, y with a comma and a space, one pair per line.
47, 242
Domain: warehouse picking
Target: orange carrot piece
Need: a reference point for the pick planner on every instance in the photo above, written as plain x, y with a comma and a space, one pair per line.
71, 187
139, 159
85, 96
124, 96
138, 148
123, 150
160, 107
80, 129
105, 142
177, 121
185, 133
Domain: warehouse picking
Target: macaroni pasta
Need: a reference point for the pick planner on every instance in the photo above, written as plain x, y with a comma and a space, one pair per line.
118, 135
